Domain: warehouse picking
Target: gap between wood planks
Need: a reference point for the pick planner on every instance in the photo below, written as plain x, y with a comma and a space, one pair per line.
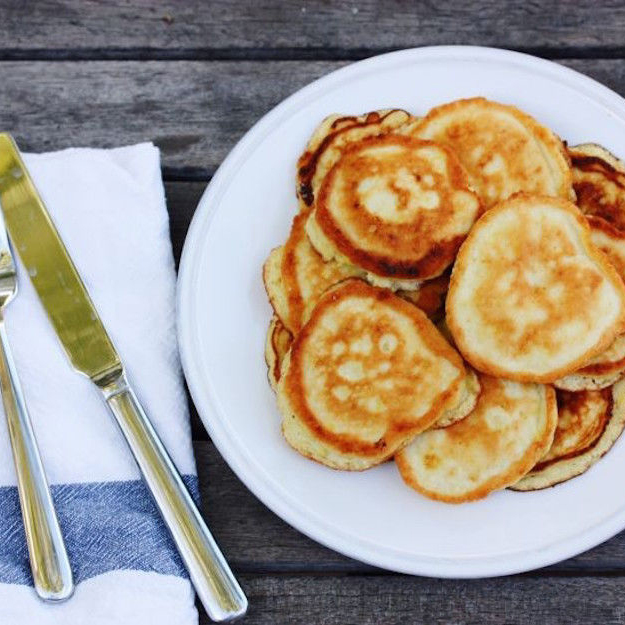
277, 54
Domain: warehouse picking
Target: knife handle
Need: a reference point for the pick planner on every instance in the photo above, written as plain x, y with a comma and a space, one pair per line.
52, 574
214, 582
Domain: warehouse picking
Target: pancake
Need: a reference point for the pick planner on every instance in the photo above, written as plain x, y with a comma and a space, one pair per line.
466, 400
610, 240
365, 374
589, 423
332, 137
607, 367
530, 297
295, 276
277, 345
272, 279
503, 149
599, 182
587, 382
396, 207
510, 429
430, 296
279, 341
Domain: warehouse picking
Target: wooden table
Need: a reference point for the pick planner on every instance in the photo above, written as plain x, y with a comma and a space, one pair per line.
193, 76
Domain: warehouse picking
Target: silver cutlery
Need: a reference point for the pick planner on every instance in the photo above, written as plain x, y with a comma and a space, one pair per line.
91, 352
52, 575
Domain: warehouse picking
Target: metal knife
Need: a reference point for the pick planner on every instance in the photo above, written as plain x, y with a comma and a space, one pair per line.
91, 352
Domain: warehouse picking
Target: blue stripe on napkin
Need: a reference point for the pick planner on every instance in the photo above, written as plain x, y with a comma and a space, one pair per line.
107, 526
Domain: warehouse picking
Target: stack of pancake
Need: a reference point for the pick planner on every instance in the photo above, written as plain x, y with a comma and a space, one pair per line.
451, 296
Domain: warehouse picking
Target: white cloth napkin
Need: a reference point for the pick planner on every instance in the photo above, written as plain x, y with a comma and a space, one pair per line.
109, 207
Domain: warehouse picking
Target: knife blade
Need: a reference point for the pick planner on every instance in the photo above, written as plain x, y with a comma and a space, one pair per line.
52, 271
91, 352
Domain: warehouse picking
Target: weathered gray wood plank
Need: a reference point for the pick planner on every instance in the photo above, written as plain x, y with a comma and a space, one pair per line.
139, 27
195, 111
256, 540
395, 600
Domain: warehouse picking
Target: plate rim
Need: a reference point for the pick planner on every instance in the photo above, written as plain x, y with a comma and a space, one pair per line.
267, 492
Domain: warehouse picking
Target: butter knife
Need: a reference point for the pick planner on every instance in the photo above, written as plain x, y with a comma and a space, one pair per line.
52, 574
91, 352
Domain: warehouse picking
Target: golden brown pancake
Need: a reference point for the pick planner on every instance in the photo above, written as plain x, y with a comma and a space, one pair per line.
589, 423
272, 279
599, 182
396, 207
530, 297
295, 276
365, 374
503, 149
466, 400
277, 345
430, 296
576, 382
608, 366
332, 137
510, 429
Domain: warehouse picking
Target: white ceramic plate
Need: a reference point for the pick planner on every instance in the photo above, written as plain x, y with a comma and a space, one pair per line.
223, 316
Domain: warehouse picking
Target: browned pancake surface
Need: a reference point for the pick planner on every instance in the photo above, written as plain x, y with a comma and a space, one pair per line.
508, 431
366, 372
582, 417
599, 372
397, 207
599, 182
332, 137
305, 274
504, 149
589, 423
530, 297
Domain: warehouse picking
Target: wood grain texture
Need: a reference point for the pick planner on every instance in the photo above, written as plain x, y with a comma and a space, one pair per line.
194, 111
340, 29
256, 540
398, 600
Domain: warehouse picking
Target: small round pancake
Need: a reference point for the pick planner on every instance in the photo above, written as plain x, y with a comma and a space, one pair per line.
589, 423
599, 182
467, 397
503, 149
365, 374
430, 296
332, 137
509, 430
277, 345
530, 297
295, 276
396, 207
